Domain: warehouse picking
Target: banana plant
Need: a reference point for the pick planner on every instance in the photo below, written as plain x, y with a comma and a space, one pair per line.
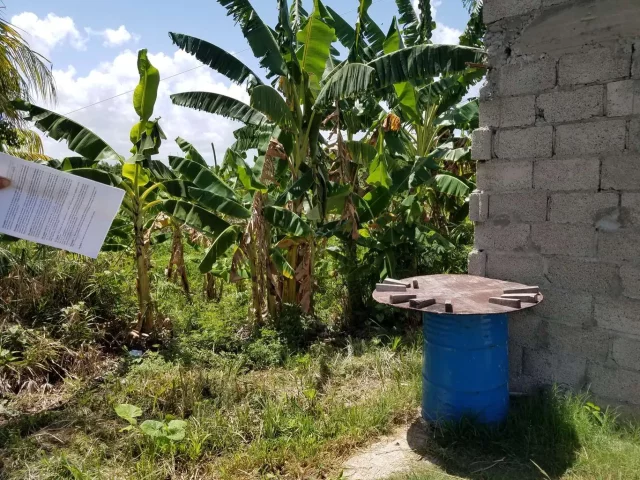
147, 182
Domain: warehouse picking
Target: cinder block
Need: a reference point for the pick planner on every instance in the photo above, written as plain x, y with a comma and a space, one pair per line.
568, 307
495, 10
527, 78
594, 65
518, 111
621, 172
481, 142
630, 276
504, 238
623, 385
634, 134
490, 113
623, 98
550, 368
563, 239
581, 207
504, 176
606, 136
619, 246
477, 263
530, 206
570, 174
630, 209
635, 69
525, 329
523, 268
626, 353
593, 343
583, 274
478, 206
618, 314
570, 105
532, 142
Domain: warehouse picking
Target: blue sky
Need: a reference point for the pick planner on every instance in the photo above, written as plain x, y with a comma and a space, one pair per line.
92, 46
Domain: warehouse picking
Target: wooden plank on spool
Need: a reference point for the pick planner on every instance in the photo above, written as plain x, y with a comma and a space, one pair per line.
522, 290
422, 302
391, 281
401, 298
384, 287
525, 297
507, 302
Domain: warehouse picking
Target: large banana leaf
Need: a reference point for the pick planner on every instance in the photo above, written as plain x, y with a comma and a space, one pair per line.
379, 172
464, 116
215, 57
220, 105
188, 191
281, 263
361, 153
245, 174
409, 21
425, 27
405, 91
316, 39
373, 204
191, 153
146, 92
344, 31
296, 189
287, 221
267, 100
423, 61
450, 185
218, 203
350, 80
252, 136
221, 244
359, 44
450, 91
259, 36
97, 176
284, 31
373, 34
195, 217
201, 176
79, 139
297, 14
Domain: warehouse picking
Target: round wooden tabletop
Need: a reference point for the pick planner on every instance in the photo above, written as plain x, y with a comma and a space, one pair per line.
468, 294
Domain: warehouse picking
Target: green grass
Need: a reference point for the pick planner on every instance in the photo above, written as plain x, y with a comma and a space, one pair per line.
298, 421
553, 436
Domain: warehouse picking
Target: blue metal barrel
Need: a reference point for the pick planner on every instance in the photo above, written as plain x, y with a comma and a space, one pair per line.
465, 370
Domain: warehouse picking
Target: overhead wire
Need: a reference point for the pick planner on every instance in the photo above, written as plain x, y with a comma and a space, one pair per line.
185, 71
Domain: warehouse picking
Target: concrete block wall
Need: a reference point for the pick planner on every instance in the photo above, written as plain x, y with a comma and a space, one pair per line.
558, 199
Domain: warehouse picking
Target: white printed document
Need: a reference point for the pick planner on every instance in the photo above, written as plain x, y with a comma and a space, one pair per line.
56, 208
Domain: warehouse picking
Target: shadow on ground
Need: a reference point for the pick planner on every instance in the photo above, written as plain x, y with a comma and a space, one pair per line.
537, 441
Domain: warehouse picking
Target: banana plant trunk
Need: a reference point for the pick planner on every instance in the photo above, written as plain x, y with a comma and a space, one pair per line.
177, 259
146, 321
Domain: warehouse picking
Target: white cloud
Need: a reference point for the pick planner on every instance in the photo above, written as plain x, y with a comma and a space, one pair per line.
446, 35
113, 119
44, 34
114, 38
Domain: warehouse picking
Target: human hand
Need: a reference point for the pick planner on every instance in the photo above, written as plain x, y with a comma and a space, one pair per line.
4, 183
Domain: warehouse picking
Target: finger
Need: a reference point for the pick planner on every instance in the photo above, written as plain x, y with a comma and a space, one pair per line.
4, 182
